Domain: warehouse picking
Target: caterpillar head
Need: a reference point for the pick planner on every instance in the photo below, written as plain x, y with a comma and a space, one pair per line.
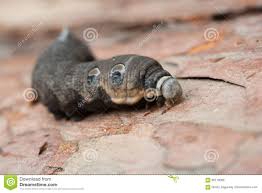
170, 89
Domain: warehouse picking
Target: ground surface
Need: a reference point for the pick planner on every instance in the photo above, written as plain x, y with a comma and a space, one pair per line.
214, 47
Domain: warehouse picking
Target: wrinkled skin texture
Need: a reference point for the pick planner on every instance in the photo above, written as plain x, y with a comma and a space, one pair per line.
72, 84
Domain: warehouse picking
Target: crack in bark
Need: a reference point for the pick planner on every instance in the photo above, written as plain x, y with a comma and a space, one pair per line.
230, 15
210, 78
218, 17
